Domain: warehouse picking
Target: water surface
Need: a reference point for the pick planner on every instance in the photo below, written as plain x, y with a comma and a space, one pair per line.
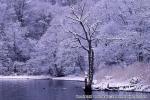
55, 90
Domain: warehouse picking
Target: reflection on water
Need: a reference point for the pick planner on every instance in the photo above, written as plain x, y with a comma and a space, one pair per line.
39, 90
56, 90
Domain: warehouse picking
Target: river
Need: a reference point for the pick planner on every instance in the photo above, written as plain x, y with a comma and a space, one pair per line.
58, 90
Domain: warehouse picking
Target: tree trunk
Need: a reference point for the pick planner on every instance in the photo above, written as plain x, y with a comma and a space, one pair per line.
88, 85
140, 57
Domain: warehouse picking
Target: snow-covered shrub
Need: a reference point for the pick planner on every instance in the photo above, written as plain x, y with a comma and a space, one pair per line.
135, 73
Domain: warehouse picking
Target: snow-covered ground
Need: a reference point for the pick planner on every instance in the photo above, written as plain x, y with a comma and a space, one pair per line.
22, 77
133, 84
70, 78
15, 77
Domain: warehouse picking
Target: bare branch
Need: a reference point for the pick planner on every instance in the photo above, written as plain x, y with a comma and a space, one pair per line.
85, 32
77, 38
74, 13
89, 29
82, 45
79, 41
77, 20
75, 34
85, 17
148, 49
81, 36
82, 10
94, 28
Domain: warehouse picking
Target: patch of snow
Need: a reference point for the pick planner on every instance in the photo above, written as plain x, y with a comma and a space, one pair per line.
70, 78
15, 77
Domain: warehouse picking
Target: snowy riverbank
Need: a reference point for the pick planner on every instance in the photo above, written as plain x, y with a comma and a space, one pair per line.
132, 85
23, 77
70, 78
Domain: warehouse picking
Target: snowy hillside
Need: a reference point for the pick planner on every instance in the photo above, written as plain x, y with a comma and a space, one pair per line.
41, 37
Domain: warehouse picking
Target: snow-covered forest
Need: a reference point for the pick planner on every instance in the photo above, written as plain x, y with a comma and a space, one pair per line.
37, 37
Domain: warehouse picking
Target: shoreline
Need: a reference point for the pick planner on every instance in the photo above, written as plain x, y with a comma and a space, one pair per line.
68, 78
23, 77
26, 77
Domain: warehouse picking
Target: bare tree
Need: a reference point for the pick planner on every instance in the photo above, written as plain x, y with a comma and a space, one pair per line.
85, 38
